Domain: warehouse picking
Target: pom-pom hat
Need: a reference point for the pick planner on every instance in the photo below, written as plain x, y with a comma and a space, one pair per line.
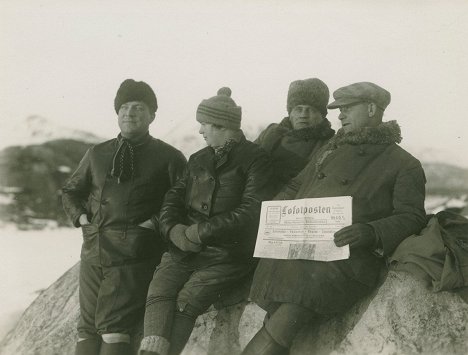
220, 110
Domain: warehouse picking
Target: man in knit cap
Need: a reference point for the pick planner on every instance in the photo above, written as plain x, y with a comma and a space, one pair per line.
294, 140
362, 160
210, 219
114, 196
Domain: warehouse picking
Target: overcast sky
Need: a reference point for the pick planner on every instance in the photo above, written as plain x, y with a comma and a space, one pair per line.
64, 60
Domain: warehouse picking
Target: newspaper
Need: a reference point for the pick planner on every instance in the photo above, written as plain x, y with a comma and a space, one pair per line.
303, 229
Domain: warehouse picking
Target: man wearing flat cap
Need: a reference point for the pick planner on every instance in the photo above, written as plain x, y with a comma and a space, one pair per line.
114, 196
294, 141
387, 184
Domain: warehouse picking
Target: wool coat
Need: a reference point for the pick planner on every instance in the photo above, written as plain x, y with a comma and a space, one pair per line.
387, 186
290, 152
223, 198
115, 209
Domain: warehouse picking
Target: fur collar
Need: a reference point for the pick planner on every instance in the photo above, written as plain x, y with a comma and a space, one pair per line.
322, 130
385, 133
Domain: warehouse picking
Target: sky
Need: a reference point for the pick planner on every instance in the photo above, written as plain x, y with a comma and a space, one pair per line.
65, 60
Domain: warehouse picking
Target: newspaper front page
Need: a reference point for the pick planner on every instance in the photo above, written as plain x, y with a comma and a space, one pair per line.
303, 229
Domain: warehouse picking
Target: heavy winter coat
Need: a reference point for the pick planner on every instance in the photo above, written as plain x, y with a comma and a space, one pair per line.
116, 209
223, 198
387, 187
290, 151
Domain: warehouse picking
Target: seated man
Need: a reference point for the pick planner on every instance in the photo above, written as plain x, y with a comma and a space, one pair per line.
364, 161
210, 219
295, 140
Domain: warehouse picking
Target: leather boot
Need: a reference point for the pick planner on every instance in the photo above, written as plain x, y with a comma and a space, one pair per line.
115, 349
88, 346
263, 344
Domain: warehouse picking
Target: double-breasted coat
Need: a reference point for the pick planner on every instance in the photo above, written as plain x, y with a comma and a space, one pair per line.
387, 186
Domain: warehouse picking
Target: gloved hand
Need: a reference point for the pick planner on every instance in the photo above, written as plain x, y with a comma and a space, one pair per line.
356, 235
192, 234
180, 240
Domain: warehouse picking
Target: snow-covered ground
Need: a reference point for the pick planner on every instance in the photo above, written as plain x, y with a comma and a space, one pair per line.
29, 262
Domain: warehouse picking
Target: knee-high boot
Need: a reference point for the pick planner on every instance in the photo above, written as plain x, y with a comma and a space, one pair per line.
181, 329
263, 344
115, 348
90, 346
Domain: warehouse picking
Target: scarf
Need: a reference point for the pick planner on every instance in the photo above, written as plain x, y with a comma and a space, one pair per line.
320, 131
224, 149
123, 162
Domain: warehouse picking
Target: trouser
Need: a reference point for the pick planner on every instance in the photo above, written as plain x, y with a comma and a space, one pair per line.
112, 299
179, 292
286, 321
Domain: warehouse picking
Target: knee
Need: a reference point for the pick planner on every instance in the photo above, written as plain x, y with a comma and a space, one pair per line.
187, 310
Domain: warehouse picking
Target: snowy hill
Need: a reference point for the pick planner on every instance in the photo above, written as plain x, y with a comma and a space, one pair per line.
36, 130
43, 154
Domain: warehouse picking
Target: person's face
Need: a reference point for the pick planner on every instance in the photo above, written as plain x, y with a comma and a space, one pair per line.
213, 135
303, 116
134, 119
355, 116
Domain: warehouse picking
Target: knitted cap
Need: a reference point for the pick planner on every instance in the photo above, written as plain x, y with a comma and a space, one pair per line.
220, 110
131, 90
313, 92
361, 92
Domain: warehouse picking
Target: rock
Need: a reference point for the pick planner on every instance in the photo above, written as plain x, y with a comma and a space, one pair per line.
48, 326
400, 317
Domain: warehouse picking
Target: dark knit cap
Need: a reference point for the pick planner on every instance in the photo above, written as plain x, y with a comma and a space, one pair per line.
361, 92
220, 110
131, 90
313, 92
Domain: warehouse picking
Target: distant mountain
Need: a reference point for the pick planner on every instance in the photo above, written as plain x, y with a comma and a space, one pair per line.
31, 178
445, 179
33, 170
36, 130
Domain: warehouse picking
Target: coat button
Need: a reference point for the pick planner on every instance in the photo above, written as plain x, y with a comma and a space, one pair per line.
204, 206
320, 175
212, 179
361, 152
344, 181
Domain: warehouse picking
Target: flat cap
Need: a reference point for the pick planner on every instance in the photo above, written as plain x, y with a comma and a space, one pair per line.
361, 92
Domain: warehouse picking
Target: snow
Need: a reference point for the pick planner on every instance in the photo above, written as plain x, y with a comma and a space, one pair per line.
36, 130
30, 262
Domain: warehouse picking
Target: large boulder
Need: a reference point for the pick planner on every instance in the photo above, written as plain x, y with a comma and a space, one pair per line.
401, 317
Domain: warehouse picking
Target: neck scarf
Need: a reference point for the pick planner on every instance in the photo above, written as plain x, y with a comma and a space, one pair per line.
123, 162
224, 149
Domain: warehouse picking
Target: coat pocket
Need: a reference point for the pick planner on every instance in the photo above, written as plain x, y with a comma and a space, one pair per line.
133, 245
90, 247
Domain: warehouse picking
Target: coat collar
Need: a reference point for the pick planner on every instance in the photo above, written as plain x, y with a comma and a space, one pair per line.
385, 133
206, 156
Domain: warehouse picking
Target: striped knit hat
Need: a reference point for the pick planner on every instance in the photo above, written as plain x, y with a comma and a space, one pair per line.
220, 110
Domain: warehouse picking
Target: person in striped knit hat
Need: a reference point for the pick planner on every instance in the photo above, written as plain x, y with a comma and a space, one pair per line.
210, 220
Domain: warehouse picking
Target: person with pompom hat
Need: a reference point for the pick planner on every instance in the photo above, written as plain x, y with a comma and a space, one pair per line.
210, 220
295, 140
114, 196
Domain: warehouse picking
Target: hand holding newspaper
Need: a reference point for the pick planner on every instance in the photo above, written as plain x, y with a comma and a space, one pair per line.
303, 229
